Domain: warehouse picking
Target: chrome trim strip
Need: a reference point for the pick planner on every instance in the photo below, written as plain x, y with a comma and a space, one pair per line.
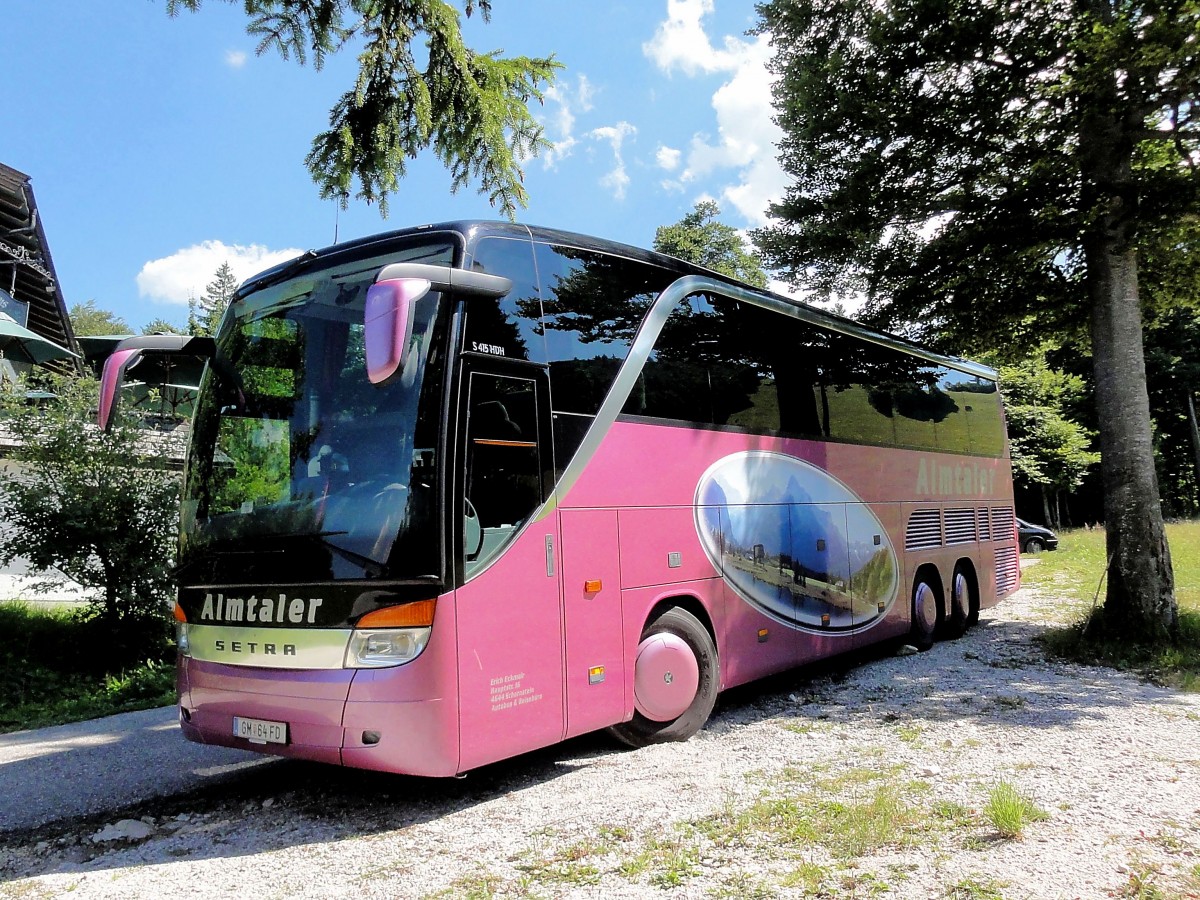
269, 648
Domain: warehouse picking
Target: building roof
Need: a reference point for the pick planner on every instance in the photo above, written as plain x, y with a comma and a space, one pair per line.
26, 267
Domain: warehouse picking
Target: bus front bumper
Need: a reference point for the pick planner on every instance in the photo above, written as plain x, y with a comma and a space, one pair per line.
381, 719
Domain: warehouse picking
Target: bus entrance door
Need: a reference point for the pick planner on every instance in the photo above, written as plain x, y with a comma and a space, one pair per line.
509, 612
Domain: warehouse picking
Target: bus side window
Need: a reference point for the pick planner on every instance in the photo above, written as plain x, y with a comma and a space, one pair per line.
510, 327
503, 483
592, 305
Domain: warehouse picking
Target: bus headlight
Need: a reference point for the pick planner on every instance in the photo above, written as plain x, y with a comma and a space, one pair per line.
181, 631
386, 647
390, 636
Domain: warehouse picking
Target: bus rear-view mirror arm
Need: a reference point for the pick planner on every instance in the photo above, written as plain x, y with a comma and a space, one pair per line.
388, 314
133, 350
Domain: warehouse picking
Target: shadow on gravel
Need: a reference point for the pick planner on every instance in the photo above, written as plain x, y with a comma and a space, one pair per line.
274, 804
996, 673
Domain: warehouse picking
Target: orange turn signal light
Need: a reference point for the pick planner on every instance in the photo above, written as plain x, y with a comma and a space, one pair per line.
180, 615
593, 587
418, 614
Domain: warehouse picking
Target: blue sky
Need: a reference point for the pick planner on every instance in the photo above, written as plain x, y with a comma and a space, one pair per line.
159, 148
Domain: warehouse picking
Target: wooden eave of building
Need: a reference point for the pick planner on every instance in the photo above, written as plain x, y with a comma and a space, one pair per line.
27, 269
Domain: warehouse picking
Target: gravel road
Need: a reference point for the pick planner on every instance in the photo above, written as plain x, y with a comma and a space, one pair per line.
89, 768
870, 781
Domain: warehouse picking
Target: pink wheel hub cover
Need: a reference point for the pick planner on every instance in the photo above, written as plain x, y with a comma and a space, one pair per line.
666, 677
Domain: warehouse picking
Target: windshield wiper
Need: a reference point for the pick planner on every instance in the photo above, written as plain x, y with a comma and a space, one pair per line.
370, 567
286, 271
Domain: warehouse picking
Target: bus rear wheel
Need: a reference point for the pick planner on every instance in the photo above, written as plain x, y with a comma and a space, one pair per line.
959, 617
925, 602
675, 681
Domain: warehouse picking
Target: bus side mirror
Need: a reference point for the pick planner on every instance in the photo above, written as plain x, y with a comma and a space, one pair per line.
387, 321
134, 350
111, 382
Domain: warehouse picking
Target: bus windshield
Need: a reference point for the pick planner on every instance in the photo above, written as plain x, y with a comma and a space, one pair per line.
300, 469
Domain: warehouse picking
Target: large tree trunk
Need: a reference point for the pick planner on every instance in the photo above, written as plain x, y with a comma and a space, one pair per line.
1140, 602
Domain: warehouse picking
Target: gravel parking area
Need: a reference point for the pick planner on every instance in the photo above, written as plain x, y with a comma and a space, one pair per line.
871, 781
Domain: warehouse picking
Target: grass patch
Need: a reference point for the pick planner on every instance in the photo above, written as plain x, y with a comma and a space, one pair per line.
668, 861
848, 828
53, 670
976, 889
1074, 572
1010, 811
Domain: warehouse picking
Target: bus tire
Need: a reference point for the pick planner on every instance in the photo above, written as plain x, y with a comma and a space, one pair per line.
958, 619
675, 681
925, 613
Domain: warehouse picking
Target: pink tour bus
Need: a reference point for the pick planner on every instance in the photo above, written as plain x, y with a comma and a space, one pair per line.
461, 491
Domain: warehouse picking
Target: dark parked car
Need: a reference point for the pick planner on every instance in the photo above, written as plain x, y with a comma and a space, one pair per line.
1035, 538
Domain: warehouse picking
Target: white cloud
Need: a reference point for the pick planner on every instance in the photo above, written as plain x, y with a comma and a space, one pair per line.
746, 137
668, 158
617, 179
584, 93
681, 41
562, 101
185, 273
235, 59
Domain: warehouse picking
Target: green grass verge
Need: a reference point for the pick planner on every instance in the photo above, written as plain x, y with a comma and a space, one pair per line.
53, 670
1074, 572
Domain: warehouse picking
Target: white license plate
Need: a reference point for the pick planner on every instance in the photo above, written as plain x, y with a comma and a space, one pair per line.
260, 731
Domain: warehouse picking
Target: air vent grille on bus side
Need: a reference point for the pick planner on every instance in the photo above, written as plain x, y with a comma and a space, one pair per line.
960, 526
1004, 523
924, 530
985, 528
1006, 570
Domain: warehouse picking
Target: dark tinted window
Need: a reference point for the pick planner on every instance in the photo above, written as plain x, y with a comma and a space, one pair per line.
720, 362
708, 368
511, 326
592, 306
985, 416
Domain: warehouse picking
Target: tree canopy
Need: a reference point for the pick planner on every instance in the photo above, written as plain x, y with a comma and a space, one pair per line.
1050, 451
985, 173
470, 108
93, 505
701, 239
88, 320
160, 325
204, 314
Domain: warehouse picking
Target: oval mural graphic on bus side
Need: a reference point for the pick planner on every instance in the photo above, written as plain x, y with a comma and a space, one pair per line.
795, 542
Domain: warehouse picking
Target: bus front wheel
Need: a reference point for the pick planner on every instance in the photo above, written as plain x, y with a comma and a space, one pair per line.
675, 681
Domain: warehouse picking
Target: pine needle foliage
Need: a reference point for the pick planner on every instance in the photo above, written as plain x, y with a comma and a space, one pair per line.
419, 87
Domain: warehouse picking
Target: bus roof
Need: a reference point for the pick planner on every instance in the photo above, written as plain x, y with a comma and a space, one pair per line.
469, 230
